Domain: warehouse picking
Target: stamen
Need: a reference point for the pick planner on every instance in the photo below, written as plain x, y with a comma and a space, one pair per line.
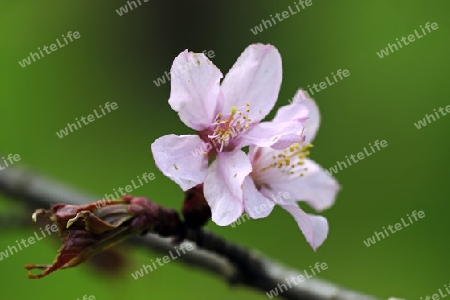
283, 160
228, 128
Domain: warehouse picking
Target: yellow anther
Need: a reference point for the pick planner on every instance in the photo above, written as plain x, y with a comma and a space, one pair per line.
283, 160
229, 127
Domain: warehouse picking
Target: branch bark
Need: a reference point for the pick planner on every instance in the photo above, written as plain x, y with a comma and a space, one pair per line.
233, 263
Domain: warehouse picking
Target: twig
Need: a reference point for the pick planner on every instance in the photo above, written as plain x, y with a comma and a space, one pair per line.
222, 258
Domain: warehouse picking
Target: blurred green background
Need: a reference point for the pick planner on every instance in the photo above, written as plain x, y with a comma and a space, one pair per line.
118, 57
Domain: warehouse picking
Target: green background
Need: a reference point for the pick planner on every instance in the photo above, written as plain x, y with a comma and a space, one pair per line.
118, 57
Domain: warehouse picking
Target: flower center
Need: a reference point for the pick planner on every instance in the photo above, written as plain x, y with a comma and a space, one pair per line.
291, 160
230, 126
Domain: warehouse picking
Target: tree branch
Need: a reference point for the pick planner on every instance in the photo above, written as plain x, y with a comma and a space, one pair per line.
222, 258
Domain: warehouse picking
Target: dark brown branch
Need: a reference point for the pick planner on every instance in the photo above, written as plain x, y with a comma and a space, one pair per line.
222, 258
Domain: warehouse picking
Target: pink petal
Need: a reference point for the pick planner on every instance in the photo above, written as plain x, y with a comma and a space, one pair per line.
223, 186
256, 204
181, 159
266, 134
292, 112
314, 228
278, 197
284, 130
312, 124
316, 187
195, 89
255, 78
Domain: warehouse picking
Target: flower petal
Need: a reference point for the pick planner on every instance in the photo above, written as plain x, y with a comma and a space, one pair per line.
292, 112
266, 134
256, 204
181, 159
312, 124
255, 78
223, 186
284, 130
195, 89
314, 228
316, 187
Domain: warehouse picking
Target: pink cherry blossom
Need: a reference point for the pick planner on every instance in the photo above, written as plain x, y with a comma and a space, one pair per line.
277, 172
226, 117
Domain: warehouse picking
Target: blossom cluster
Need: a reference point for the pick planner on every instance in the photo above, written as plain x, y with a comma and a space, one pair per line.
249, 160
